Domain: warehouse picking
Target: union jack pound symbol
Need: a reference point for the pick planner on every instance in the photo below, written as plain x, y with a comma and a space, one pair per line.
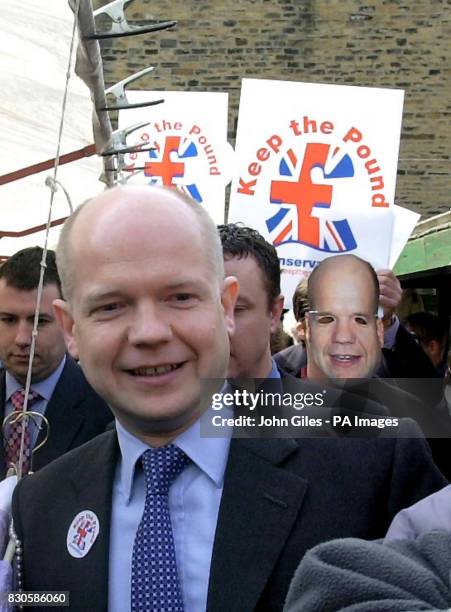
82, 532
304, 194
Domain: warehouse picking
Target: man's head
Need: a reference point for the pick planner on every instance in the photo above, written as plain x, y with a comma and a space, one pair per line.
251, 259
148, 310
19, 279
430, 333
343, 335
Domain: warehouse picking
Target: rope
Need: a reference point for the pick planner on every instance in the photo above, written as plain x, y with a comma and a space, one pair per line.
34, 333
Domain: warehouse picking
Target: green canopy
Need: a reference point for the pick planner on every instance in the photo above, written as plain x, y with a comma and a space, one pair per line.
429, 247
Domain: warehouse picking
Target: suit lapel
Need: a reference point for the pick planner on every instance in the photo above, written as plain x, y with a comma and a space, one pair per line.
65, 421
2, 400
92, 490
260, 503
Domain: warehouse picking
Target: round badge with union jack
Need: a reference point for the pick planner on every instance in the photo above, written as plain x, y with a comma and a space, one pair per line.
82, 533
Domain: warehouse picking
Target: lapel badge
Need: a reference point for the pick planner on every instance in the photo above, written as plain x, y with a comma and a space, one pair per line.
82, 533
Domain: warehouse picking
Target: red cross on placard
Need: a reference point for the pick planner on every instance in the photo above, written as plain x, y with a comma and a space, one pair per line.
304, 194
166, 168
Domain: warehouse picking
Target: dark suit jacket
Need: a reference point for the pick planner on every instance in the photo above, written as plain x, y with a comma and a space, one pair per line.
280, 498
433, 420
75, 412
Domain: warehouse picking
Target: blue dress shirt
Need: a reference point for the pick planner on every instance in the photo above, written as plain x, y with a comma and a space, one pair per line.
274, 370
45, 389
390, 334
194, 500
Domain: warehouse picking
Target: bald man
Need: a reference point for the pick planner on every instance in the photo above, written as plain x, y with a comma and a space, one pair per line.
344, 335
153, 516
400, 357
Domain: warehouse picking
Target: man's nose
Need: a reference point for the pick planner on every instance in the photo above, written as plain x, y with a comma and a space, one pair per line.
343, 331
150, 325
23, 334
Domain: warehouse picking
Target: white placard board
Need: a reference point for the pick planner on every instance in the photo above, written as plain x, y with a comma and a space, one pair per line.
404, 223
315, 171
189, 134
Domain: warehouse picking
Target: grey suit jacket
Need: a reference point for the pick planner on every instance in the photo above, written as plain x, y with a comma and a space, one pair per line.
363, 576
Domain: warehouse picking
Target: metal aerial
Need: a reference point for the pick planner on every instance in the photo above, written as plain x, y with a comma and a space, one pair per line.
109, 143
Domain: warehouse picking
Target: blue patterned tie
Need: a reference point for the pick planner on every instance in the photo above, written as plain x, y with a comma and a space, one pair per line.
155, 584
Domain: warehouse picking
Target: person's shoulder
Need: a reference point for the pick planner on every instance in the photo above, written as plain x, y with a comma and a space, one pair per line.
79, 458
74, 385
73, 374
291, 359
428, 514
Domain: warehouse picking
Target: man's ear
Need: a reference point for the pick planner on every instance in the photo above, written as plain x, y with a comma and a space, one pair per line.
63, 315
433, 350
276, 312
380, 331
307, 328
229, 296
300, 330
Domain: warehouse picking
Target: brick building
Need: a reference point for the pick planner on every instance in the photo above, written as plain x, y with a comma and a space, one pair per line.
386, 43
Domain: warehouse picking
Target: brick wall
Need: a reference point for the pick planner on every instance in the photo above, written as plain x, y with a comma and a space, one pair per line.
386, 43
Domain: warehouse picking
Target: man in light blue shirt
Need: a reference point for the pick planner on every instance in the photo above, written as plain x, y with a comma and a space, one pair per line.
194, 500
149, 311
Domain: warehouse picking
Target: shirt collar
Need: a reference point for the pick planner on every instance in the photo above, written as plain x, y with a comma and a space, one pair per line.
274, 370
210, 456
44, 387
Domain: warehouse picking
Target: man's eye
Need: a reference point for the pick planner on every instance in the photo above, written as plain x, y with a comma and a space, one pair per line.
361, 320
108, 307
183, 299
42, 322
240, 308
7, 320
325, 319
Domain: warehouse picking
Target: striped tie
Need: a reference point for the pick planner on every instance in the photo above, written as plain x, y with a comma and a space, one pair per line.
12, 442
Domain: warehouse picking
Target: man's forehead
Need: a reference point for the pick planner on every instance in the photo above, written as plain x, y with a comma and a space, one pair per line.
344, 299
25, 307
121, 205
329, 302
132, 235
342, 277
243, 265
20, 294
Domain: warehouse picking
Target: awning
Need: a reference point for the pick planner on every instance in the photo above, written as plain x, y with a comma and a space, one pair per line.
428, 250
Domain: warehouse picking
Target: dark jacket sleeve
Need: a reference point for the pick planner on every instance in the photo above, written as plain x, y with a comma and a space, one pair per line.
352, 575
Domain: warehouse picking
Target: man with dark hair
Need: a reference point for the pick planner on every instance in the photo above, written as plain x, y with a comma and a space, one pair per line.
19, 278
22, 270
254, 262
300, 300
58, 391
431, 335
